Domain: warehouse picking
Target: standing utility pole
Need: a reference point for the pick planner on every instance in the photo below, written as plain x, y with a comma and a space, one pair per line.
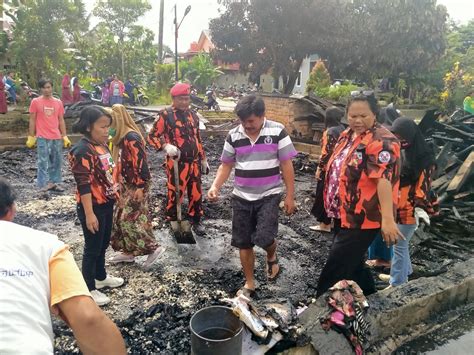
160, 33
176, 27
175, 43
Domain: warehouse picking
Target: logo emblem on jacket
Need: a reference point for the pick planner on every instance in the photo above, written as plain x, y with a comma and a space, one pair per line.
268, 140
356, 159
384, 157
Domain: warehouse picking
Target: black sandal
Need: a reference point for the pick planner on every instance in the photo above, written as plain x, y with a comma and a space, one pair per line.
270, 265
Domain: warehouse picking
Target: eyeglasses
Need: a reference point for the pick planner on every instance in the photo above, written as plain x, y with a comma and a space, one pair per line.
362, 93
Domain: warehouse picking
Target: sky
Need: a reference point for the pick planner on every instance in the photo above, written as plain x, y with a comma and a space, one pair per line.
204, 10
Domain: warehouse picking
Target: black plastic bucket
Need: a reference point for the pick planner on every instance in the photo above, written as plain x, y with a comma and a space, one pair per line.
216, 330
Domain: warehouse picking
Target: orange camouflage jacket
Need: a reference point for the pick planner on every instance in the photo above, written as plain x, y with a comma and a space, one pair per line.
417, 195
180, 130
328, 142
94, 171
374, 154
133, 163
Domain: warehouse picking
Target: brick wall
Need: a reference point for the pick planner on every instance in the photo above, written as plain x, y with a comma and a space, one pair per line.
279, 108
282, 109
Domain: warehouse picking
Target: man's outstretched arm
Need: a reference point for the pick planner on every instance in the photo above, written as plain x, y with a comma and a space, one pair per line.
94, 331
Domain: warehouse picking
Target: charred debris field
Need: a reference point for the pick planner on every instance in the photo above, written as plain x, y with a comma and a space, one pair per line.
154, 307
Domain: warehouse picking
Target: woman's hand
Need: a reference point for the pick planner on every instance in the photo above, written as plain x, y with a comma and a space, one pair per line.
390, 232
138, 195
318, 173
92, 223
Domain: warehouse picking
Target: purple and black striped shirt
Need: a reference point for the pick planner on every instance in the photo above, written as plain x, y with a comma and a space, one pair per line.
257, 164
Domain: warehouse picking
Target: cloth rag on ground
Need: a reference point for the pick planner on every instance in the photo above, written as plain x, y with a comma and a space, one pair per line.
347, 313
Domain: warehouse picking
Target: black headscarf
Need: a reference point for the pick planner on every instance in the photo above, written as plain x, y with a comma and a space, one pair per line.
333, 116
417, 155
387, 115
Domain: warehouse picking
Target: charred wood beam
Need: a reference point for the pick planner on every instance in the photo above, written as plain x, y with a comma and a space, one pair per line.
462, 175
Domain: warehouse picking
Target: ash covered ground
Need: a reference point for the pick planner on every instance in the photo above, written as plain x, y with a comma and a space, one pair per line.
154, 307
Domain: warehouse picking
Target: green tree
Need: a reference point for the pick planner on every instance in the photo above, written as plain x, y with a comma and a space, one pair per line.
164, 77
387, 38
140, 53
41, 33
137, 51
276, 35
361, 39
201, 71
104, 51
459, 49
120, 17
319, 78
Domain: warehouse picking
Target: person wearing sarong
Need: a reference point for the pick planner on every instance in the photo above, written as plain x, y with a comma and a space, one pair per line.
105, 93
76, 90
66, 96
3, 98
133, 233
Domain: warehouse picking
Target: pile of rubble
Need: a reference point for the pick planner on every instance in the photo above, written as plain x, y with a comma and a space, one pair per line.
453, 140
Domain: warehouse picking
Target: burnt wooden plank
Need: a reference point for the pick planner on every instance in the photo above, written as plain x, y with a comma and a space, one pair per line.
442, 159
462, 175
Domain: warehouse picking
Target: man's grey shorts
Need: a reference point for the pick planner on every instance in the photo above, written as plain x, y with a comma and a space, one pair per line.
255, 222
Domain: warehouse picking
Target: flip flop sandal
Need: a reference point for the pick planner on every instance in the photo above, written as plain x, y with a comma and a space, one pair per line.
247, 292
270, 265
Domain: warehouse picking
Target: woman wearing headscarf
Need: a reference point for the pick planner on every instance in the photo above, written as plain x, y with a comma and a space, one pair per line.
418, 164
132, 235
334, 127
76, 90
66, 96
361, 189
387, 115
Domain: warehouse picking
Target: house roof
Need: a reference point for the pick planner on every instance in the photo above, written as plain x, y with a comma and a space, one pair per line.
207, 34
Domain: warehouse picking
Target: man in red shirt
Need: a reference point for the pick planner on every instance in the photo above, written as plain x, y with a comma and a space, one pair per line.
47, 130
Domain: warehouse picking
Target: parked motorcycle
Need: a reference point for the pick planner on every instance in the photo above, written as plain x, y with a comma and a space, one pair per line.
212, 101
141, 97
30, 93
97, 93
91, 96
198, 103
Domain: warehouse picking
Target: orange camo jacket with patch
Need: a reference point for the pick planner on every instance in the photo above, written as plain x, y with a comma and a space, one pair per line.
181, 130
94, 172
375, 154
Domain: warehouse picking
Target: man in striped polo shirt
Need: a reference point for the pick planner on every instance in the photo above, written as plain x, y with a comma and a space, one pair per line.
259, 149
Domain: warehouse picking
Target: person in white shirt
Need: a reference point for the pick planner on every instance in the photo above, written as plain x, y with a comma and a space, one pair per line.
38, 276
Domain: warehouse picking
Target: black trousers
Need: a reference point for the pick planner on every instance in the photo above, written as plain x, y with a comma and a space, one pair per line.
93, 259
346, 260
318, 209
